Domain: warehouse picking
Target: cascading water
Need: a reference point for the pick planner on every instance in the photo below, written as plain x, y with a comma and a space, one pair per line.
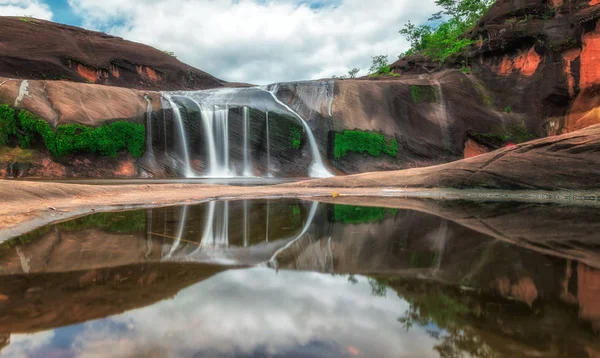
247, 163
268, 145
149, 148
214, 106
187, 167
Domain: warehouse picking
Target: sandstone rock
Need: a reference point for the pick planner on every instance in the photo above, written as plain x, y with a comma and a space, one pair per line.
74, 54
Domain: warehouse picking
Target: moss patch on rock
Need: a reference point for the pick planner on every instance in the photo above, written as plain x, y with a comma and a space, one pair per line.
365, 142
108, 139
424, 94
349, 214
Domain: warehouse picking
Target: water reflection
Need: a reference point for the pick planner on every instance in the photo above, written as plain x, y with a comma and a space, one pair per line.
333, 280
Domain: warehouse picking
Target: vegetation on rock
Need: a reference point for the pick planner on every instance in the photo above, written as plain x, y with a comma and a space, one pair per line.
511, 134
108, 139
445, 39
295, 136
363, 142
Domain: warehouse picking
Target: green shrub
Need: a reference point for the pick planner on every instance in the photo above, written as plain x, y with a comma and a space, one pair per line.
360, 214
108, 139
363, 142
465, 70
507, 110
8, 124
295, 136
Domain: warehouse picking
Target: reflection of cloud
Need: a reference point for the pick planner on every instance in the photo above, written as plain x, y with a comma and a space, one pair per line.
260, 312
25, 345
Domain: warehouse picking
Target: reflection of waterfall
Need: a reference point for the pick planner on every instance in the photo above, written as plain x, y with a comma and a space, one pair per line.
216, 226
180, 232
214, 106
311, 216
438, 240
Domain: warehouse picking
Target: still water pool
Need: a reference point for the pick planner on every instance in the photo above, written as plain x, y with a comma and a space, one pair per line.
289, 278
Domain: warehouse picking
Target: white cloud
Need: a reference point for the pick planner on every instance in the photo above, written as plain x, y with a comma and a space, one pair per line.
33, 8
262, 41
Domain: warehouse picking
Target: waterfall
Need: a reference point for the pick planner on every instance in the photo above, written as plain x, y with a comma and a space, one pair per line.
247, 164
214, 106
222, 126
149, 148
444, 114
207, 124
317, 168
269, 174
188, 173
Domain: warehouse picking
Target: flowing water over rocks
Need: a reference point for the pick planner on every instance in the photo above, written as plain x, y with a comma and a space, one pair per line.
221, 139
290, 278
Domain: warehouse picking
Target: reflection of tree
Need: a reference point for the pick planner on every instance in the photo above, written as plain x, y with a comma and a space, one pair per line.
378, 287
445, 313
4, 341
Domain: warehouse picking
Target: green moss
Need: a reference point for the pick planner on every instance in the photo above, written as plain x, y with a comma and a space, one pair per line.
108, 139
295, 136
427, 94
363, 142
511, 134
360, 214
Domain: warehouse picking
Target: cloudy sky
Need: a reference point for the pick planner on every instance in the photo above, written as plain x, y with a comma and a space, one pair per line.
255, 41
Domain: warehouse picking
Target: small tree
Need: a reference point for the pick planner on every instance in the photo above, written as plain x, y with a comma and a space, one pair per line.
353, 72
379, 65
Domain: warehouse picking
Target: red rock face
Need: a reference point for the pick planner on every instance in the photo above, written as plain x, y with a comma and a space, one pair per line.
524, 63
570, 56
473, 149
590, 58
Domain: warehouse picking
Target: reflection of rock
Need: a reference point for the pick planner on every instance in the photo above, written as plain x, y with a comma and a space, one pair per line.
588, 294
43, 301
124, 238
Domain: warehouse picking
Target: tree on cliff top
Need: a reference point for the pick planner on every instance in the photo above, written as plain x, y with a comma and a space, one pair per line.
440, 40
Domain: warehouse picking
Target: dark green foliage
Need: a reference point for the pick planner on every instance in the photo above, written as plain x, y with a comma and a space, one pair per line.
360, 214
8, 124
422, 259
363, 142
108, 139
465, 70
507, 110
444, 40
295, 136
511, 134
